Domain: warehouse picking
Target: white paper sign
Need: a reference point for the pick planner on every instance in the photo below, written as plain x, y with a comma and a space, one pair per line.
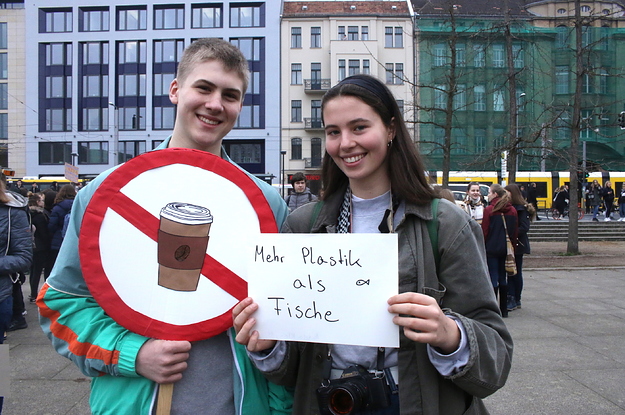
325, 288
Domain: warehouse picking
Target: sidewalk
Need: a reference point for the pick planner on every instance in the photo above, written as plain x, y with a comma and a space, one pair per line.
568, 354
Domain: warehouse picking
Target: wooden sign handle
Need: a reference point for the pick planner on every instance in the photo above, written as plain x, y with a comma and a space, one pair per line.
165, 395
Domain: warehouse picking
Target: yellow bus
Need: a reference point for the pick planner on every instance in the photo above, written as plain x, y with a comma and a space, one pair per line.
43, 182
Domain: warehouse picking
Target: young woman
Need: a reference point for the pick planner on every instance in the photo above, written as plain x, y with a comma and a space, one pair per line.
560, 200
495, 230
474, 202
62, 206
41, 249
525, 213
372, 172
608, 200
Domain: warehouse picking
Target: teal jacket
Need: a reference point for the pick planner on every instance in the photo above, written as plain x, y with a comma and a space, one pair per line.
81, 331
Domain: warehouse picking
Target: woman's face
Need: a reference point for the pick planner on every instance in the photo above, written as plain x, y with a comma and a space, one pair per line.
491, 195
357, 140
474, 192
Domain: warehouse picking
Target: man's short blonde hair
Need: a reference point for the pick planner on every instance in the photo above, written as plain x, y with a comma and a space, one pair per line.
206, 49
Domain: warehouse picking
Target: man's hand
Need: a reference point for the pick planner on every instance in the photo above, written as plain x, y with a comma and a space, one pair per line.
163, 361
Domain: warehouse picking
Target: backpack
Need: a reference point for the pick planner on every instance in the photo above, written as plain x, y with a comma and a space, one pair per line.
65, 223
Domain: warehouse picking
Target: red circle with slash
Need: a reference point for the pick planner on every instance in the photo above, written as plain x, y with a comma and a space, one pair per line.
109, 196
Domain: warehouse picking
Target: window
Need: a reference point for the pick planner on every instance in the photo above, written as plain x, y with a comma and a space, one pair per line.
315, 113
92, 19
169, 17
206, 16
296, 148
400, 106
131, 85
133, 51
164, 118
55, 153
352, 32
364, 33
498, 99
562, 80
585, 9
3, 36
253, 110
518, 56
479, 98
586, 124
561, 11
459, 145
55, 87
132, 18
440, 54
342, 73
587, 83
296, 110
296, 37
393, 37
498, 56
315, 152
440, 96
366, 67
394, 73
563, 126
93, 152
55, 20
353, 67
245, 152
460, 99
460, 55
58, 119
562, 37
315, 37
315, 75
4, 66
341, 33
479, 56
603, 81
4, 126
296, 74
480, 140
4, 96
168, 51
247, 16
130, 149
587, 37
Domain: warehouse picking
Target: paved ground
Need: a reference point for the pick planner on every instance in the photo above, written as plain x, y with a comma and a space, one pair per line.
568, 355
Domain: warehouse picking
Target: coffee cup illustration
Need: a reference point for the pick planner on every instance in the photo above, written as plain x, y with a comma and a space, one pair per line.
182, 240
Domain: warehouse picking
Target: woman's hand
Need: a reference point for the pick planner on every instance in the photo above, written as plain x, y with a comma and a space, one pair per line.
424, 321
244, 324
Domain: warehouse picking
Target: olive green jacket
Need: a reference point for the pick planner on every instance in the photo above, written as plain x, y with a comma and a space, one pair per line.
463, 290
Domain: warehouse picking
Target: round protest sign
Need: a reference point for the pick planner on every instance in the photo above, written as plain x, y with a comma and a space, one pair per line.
161, 242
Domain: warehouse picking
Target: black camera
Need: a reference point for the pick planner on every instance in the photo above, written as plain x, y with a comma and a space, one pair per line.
353, 392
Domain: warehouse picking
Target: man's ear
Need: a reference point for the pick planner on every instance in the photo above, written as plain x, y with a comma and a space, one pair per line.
173, 91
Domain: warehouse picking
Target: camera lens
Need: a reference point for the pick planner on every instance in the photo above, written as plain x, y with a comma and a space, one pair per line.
343, 400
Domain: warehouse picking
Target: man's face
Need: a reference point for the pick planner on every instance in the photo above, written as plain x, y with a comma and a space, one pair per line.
209, 101
299, 186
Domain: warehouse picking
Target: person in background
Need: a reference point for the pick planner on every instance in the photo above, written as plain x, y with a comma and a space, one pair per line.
608, 200
41, 248
374, 182
34, 188
127, 368
474, 202
621, 204
495, 231
15, 255
561, 200
62, 206
55, 186
301, 193
594, 195
532, 198
525, 213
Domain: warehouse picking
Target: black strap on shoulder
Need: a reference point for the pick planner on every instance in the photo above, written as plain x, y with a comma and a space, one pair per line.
315, 214
432, 226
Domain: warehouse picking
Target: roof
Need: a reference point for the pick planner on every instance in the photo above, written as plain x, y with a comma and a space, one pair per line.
469, 8
397, 8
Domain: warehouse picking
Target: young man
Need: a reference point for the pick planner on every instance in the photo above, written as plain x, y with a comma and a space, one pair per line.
126, 367
301, 194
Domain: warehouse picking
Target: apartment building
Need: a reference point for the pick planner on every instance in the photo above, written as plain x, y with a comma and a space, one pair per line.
99, 75
12, 91
324, 42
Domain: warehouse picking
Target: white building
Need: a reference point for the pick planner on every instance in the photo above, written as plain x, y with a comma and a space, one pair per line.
99, 72
324, 42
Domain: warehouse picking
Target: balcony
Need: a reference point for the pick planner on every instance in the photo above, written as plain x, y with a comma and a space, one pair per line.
313, 124
312, 163
316, 85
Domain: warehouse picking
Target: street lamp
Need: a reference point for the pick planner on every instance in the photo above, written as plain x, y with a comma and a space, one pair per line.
283, 152
74, 159
115, 133
516, 130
